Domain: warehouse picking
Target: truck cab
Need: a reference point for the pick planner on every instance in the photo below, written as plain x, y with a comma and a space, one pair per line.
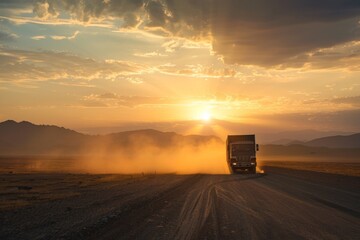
241, 153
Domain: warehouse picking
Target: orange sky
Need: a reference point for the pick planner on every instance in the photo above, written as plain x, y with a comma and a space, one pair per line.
158, 64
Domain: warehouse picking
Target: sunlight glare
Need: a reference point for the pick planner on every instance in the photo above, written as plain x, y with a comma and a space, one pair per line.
206, 116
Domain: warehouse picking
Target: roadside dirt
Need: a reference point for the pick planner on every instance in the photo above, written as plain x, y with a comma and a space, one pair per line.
279, 204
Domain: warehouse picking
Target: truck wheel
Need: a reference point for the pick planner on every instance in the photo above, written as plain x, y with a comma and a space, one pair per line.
253, 170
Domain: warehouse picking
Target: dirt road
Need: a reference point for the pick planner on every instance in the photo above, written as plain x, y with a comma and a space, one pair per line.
280, 204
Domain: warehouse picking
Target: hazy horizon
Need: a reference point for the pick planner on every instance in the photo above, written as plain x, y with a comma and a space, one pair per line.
209, 128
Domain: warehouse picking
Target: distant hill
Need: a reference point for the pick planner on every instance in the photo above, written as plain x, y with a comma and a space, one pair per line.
285, 141
333, 148
338, 141
25, 138
325, 149
350, 141
295, 137
307, 153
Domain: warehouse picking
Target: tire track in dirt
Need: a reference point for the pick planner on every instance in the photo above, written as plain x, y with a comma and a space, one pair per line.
143, 214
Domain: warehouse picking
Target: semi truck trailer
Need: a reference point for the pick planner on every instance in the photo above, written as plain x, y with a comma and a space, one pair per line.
241, 153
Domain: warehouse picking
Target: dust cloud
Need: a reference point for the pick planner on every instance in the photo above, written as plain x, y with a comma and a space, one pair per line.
259, 169
144, 156
136, 153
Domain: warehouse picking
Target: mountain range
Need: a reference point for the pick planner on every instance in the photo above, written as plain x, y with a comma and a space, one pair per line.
350, 141
300, 136
23, 138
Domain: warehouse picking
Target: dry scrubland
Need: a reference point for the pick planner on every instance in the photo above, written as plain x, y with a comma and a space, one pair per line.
159, 194
279, 204
30, 180
350, 169
28, 188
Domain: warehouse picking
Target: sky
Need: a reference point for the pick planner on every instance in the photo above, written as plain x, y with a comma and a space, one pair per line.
191, 66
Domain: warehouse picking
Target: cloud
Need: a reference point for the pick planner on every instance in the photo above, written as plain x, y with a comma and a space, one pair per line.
45, 10
150, 54
347, 120
7, 37
135, 80
344, 56
56, 37
15, 6
156, 13
171, 46
130, 20
175, 44
31, 66
343, 103
197, 70
114, 100
268, 33
86, 11
39, 37
354, 101
107, 96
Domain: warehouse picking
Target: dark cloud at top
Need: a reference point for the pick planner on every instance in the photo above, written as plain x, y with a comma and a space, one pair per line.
91, 9
256, 32
156, 14
273, 32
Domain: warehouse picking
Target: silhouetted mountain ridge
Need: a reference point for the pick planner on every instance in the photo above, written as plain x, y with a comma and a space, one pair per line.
338, 141
22, 138
302, 153
350, 141
296, 137
26, 138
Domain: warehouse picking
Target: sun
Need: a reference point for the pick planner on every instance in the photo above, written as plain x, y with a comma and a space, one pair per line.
206, 116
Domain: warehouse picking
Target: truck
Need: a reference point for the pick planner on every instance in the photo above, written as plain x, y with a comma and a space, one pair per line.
241, 153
